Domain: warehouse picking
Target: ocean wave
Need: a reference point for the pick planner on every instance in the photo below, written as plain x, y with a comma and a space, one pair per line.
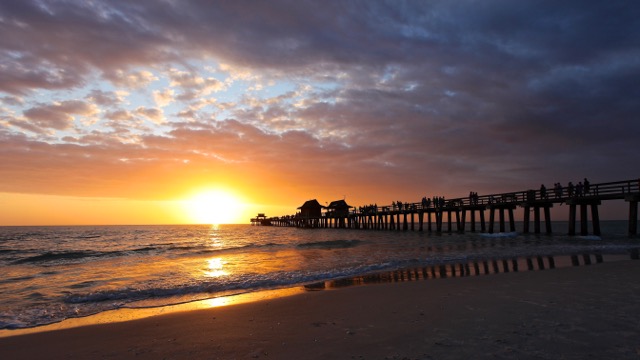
78, 255
145, 249
16, 279
238, 248
169, 295
184, 248
589, 237
331, 244
63, 256
83, 284
499, 234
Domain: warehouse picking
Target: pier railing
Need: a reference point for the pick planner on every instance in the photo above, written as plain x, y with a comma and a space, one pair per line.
601, 191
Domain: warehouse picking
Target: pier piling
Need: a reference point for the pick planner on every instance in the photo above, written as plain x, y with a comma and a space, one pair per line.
633, 213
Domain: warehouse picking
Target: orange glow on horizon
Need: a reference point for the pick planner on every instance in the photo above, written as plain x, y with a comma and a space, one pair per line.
38, 210
196, 201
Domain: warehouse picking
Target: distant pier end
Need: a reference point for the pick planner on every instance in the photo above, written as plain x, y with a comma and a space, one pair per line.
261, 220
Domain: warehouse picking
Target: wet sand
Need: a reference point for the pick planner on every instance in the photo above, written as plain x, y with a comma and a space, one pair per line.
566, 313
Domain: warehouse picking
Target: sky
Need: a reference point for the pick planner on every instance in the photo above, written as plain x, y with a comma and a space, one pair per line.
126, 112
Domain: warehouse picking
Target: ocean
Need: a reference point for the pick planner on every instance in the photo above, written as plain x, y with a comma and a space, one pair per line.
50, 274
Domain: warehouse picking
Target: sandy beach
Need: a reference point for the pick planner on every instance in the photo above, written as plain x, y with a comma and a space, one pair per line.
566, 313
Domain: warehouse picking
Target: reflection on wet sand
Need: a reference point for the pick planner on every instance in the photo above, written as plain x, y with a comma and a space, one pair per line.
472, 268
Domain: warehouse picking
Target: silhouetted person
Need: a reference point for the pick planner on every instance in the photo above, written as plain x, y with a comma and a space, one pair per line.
558, 190
587, 186
579, 189
543, 192
570, 188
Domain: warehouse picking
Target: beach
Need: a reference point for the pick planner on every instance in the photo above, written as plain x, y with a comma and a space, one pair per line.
566, 313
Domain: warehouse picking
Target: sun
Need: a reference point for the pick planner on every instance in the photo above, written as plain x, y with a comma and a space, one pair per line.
214, 207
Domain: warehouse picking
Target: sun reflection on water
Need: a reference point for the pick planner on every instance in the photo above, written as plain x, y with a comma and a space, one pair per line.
219, 301
215, 268
215, 239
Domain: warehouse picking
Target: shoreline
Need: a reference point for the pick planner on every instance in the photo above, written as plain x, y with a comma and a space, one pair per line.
421, 273
132, 314
574, 312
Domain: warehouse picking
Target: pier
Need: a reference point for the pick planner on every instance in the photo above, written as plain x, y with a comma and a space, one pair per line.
430, 214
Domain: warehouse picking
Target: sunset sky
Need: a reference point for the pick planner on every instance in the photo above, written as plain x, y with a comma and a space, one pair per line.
140, 112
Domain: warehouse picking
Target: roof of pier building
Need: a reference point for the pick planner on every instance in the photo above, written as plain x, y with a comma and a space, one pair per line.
311, 209
339, 204
339, 207
311, 204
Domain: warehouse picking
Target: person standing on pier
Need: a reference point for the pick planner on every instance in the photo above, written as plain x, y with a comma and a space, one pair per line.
570, 189
587, 186
543, 192
558, 190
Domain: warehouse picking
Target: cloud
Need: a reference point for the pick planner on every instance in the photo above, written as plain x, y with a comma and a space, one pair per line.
193, 86
131, 80
163, 98
154, 114
58, 46
106, 98
12, 100
119, 115
59, 115
22, 72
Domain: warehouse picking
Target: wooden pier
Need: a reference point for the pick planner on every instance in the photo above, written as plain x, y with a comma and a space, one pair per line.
431, 213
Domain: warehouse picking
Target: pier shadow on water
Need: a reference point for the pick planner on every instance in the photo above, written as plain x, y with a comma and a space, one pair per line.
474, 268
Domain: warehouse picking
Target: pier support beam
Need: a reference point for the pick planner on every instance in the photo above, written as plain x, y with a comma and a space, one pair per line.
472, 209
633, 212
412, 221
438, 220
584, 225
537, 205
502, 208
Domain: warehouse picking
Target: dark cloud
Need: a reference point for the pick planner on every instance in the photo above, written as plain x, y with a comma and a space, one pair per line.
56, 45
12, 100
